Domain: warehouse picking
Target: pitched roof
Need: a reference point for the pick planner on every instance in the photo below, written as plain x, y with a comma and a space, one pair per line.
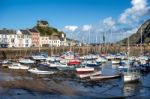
6, 31
25, 32
33, 30
54, 38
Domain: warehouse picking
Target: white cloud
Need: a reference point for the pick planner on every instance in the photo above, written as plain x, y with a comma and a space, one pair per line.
108, 22
139, 8
86, 27
71, 28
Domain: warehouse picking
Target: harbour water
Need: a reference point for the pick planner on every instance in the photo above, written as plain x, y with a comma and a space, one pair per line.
21, 84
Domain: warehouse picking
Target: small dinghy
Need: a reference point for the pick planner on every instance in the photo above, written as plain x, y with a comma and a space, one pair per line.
87, 75
103, 77
18, 66
37, 71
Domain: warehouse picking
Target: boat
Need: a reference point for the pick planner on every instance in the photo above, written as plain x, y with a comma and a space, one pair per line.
84, 70
89, 74
65, 67
104, 77
74, 62
91, 63
38, 57
115, 61
131, 75
26, 61
101, 60
55, 64
42, 72
6, 63
18, 66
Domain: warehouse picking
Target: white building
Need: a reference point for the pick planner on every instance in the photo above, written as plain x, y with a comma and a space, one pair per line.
23, 39
44, 41
3, 38
7, 38
54, 41
11, 38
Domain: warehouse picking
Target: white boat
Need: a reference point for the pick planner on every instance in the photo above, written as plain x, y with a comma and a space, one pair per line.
37, 71
89, 74
18, 66
26, 61
101, 59
115, 61
65, 67
83, 70
110, 57
38, 57
54, 64
131, 77
103, 77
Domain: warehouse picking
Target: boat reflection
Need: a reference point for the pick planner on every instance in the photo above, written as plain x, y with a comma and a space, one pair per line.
130, 89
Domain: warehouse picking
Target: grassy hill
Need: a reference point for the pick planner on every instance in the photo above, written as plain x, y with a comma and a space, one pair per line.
136, 37
45, 30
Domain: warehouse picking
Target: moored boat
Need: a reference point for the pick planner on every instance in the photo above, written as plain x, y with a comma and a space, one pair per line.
42, 72
18, 66
104, 77
83, 70
26, 61
89, 74
74, 62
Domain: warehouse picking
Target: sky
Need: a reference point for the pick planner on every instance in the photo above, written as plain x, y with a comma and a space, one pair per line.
77, 17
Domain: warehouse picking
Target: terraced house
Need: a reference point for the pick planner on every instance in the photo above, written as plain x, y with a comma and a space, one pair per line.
35, 37
23, 39
7, 38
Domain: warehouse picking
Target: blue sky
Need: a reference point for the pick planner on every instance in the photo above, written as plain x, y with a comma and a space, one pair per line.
78, 16
24, 13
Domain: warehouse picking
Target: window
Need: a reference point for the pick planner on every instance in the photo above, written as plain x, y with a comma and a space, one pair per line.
27, 41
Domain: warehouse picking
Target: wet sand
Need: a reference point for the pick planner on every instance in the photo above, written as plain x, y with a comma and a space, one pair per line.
66, 85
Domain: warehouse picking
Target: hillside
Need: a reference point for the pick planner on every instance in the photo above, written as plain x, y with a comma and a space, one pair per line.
136, 38
45, 30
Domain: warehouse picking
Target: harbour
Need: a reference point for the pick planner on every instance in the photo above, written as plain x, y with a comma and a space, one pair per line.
66, 84
75, 49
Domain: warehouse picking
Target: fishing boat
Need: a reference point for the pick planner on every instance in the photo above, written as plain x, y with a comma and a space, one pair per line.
104, 77
131, 77
42, 72
18, 66
132, 74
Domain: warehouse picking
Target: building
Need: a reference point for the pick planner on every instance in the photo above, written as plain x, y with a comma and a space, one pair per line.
4, 38
54, 41
35, 37
42, 23
44, 41
11, 35
23, 39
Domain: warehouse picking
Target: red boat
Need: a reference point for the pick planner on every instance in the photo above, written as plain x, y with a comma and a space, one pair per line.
74, 62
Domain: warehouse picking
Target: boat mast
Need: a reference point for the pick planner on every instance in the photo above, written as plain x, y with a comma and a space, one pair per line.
141, 41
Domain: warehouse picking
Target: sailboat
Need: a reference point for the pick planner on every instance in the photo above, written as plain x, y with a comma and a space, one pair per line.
132, 74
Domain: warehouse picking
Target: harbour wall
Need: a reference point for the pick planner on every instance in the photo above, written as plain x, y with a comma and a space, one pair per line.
17, 52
